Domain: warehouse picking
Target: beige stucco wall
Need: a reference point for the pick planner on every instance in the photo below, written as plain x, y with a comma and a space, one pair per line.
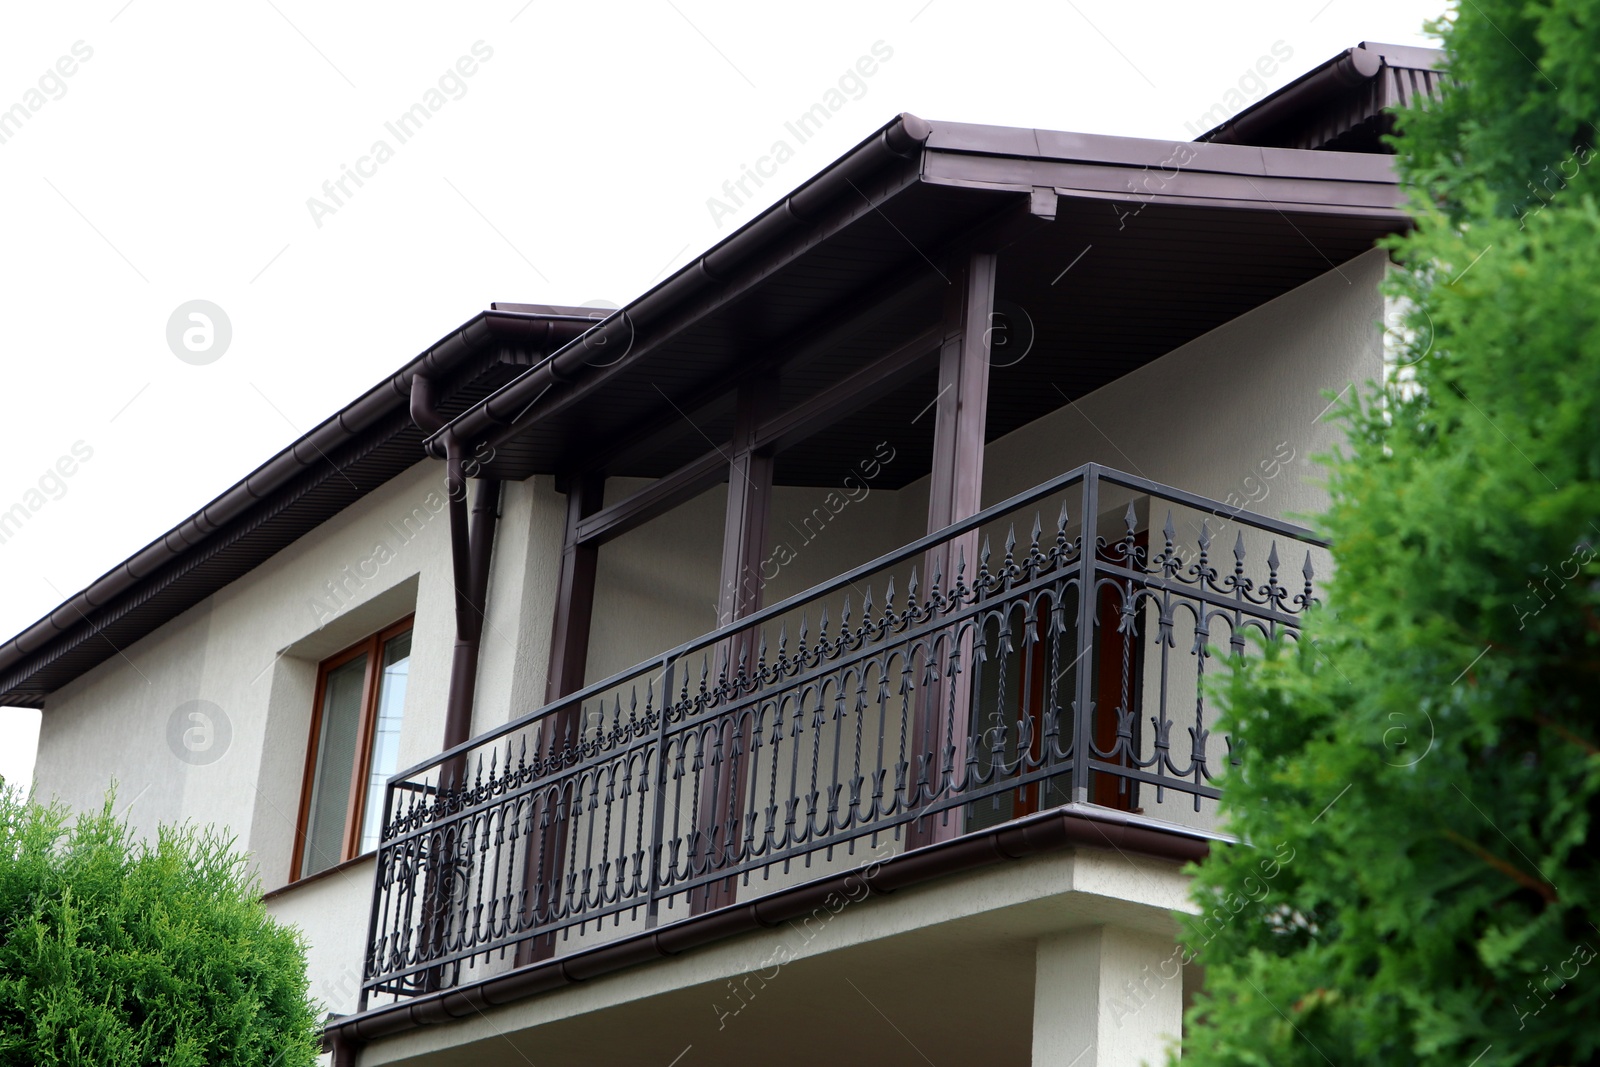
1204, 416
656, 585
239, 650
252, 649
951, 962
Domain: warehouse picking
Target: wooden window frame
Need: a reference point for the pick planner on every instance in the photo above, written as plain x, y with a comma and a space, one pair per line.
355, 808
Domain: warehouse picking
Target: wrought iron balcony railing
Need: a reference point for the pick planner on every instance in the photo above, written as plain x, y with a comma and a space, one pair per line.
940, 689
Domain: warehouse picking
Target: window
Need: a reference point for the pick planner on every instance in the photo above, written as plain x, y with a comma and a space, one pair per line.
354, 748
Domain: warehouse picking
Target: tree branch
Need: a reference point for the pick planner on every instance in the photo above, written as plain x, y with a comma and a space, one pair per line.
1522, 878
1583, 743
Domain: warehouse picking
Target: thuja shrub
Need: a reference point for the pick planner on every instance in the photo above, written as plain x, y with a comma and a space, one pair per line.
1430, 749
116, 951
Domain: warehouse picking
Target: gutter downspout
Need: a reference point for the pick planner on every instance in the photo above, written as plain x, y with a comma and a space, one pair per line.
340, 1043
471, 605
471, 551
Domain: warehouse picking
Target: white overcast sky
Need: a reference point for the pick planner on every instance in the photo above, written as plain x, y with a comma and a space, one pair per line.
573, 165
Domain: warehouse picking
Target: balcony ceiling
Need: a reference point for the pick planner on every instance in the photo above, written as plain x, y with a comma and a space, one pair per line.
1105, 288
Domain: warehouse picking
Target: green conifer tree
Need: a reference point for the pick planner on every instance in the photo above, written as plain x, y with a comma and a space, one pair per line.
1429, 752
115, 953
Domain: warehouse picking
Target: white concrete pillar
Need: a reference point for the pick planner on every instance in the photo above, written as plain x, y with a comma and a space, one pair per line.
1106, 997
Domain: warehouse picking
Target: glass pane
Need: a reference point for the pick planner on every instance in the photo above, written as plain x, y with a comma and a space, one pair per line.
386, 734
336, 758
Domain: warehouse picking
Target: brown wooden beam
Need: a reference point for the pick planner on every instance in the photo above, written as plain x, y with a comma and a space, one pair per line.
955, 492
657, 498
956, 484
569, 630
744, 530
744, 540
569, 654
774, 433
876, 379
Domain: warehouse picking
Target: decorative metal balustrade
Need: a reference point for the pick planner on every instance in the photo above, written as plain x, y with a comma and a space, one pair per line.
963, 680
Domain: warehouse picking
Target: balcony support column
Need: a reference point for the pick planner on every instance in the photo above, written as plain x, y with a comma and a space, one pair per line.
744, 541
1105, 997
569, 653
569, 631
744, 529
955, 487
955, 492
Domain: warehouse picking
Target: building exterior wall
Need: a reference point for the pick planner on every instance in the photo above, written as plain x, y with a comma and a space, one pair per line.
1202, 418
514, 655
656, 585
250, 654
1206, 415
1217, 417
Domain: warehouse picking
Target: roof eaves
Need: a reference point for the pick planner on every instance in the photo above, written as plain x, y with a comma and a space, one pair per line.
1349, 69
232, 506
758, 241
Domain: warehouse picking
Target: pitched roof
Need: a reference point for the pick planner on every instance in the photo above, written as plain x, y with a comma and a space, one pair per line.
529, 378
1343, 105
348, 455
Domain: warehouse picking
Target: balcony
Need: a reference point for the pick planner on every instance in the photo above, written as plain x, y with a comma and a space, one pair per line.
1047, 655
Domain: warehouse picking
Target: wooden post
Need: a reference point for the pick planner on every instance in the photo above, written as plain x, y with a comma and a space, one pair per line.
744, 540
955, 489
569, 652
956, 484
744, 529
569, 632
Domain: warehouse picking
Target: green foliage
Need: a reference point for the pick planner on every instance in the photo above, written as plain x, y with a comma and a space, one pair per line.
116, 953
1428, 751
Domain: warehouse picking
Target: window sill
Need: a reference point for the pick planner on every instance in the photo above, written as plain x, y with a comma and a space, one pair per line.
337, 868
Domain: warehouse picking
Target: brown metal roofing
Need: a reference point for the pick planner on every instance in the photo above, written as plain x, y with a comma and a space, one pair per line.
1343, 105
347, 456
1231, 226
1186, 236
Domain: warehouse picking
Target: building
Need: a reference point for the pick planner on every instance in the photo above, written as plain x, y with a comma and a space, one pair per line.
803, 663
